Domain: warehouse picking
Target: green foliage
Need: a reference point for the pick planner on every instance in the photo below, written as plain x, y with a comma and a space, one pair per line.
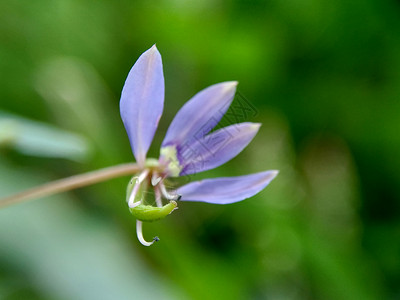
324, 78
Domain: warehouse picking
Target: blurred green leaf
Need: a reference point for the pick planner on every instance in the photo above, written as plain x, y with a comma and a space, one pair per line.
39, 139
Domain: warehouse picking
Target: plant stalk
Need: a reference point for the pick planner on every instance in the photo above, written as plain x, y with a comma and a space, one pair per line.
70, 183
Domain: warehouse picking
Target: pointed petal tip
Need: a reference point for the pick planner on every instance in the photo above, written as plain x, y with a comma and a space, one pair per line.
255, 126
227, 86
274, 173
153, 50
230, 85
248, 127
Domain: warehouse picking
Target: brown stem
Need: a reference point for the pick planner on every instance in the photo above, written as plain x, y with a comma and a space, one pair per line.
70, 183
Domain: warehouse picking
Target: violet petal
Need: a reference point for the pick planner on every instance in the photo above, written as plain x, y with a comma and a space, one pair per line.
200, 114
142, 102
216, 148
226, 190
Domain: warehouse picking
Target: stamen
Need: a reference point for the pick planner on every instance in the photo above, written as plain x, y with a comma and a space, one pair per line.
139, 180
131, 201
139, 233
133, 182
143, 175
155, 179
157, 193
166, 194
135, 204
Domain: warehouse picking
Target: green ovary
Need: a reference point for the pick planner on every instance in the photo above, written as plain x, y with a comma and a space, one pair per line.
148, 213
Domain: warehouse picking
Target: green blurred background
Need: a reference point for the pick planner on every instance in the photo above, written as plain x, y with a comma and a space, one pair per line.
324, 78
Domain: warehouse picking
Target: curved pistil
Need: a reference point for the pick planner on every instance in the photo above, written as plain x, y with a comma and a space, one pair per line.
140, 237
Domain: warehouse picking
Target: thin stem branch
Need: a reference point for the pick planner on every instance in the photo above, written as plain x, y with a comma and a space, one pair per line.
70, 183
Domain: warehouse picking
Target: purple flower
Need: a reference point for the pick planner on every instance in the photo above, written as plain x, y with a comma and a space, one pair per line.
188, 146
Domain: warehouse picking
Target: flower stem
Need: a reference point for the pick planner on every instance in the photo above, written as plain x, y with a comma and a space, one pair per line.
70, 183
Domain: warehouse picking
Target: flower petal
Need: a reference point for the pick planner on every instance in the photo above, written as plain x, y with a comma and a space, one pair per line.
216, 148
142, 101
200, 114
226, 189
